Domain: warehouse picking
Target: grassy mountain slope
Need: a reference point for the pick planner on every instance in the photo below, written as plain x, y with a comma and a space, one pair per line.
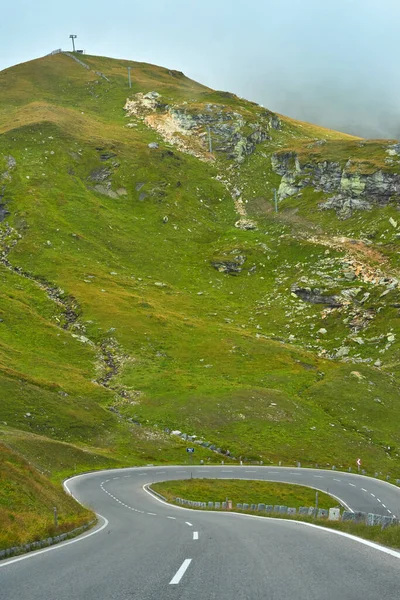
127, 286
27, 501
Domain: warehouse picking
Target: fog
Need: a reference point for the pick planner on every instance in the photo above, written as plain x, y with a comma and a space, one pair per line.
331, 62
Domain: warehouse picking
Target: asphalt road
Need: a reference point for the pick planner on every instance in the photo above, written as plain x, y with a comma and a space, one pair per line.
144, 549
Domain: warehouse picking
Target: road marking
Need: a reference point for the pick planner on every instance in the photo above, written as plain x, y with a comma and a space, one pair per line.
384, 505
379, 500
126, 476
294, 473
318, 476
187, 523
336, 479
142, 473
226, 471
180, 572
364, 490
172, 518
115, 477
153, 514
352, 484
373, 495
250, 471
389, 511
268, 472
195, 535
159, 472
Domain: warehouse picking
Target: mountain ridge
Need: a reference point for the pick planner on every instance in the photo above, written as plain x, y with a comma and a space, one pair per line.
150, 285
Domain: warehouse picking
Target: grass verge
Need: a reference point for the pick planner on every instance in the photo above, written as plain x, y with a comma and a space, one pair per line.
27, 501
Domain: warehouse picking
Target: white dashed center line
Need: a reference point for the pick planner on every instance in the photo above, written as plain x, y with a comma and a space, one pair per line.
174, 518
373, 495
180, 572
195, 535
384, 505
153, 514
318, 476
352, 484
336, 479
379, 500
187, 523
364, 490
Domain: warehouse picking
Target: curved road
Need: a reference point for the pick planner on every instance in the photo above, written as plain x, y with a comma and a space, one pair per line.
144, 549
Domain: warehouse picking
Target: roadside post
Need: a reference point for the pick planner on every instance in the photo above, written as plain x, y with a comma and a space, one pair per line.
55, 517
358, 464
190, 452
316, 504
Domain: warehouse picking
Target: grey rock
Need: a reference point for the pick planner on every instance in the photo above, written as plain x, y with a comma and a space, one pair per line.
314, 296
4, 212
100, 174
351, 190
153, 145
291, 511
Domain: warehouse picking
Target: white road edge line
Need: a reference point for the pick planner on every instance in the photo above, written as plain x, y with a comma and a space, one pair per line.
195, 535
56, 546
325, 529
180, 572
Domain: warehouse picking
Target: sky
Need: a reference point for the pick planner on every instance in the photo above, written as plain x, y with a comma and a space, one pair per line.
331, 62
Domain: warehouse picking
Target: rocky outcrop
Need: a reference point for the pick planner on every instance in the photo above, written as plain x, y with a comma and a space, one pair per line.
314, 296
233, 267
350, 189
225, 130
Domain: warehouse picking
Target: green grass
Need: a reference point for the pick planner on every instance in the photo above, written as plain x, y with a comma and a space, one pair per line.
27, 500
235, 360
251, 492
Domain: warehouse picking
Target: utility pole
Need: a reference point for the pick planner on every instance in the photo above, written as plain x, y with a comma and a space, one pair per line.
129, 77
209, 139
275, 200
73, 38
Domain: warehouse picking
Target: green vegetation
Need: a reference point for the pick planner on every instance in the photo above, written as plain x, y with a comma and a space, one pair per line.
27, 500
252, 492
118, 323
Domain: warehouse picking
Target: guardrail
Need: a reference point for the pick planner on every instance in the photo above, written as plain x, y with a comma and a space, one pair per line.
15, 550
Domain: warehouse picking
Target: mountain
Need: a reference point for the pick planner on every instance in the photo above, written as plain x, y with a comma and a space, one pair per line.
151, 282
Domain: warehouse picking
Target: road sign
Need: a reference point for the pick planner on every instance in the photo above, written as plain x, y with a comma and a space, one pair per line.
191, 450
359, 462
